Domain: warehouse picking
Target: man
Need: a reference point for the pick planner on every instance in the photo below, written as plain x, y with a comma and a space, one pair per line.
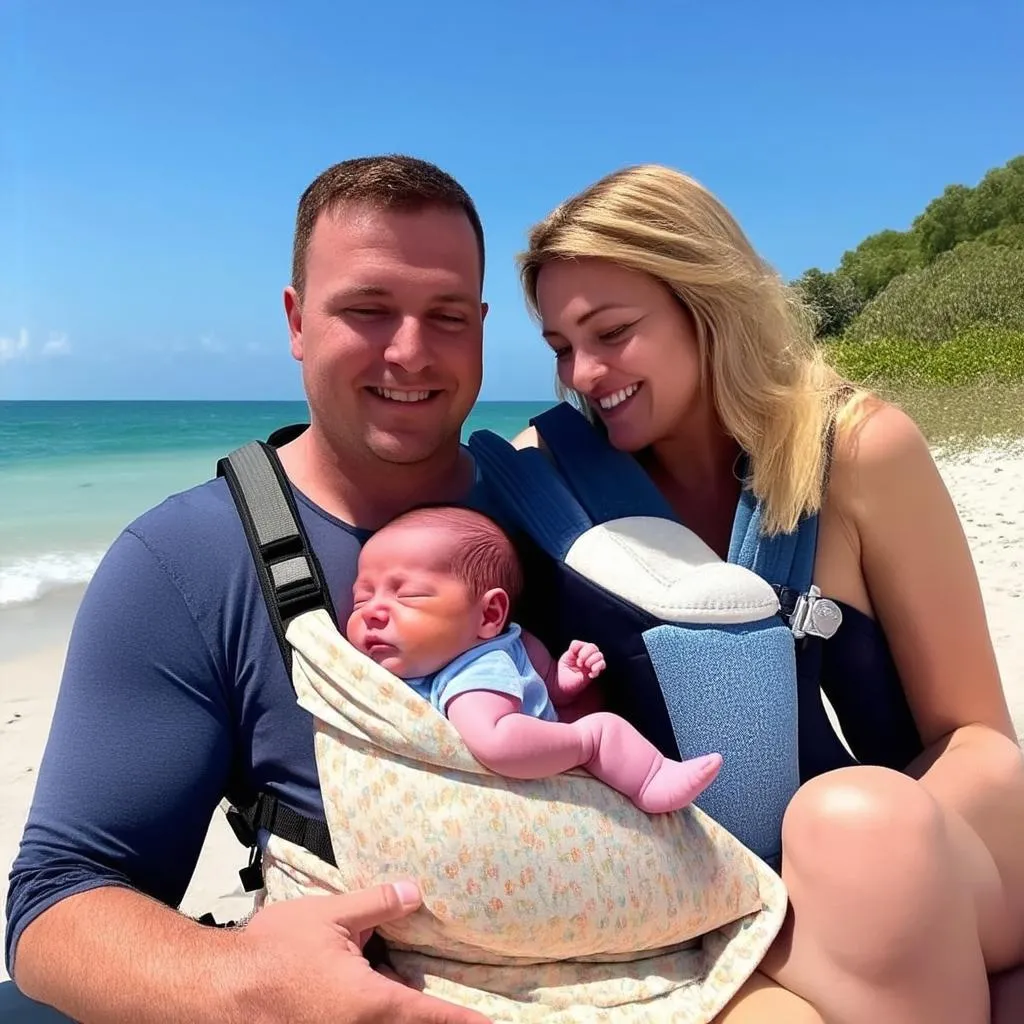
175, 692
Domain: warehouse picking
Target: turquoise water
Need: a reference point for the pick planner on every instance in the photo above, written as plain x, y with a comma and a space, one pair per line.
72, 474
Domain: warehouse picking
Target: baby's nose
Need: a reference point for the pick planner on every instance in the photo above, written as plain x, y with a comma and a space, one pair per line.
375, 613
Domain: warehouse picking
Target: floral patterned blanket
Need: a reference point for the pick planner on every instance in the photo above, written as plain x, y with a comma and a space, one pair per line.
552, 900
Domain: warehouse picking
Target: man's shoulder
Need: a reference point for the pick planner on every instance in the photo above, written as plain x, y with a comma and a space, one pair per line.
196, 538
192, 520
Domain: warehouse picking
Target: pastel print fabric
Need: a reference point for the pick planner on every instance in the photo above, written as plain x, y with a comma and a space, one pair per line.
551, 900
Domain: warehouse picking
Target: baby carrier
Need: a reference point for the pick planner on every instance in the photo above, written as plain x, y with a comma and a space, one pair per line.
701, 653
555, 899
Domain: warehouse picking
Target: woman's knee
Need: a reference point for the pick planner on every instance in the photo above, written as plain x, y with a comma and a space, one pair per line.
870, 844
860, 816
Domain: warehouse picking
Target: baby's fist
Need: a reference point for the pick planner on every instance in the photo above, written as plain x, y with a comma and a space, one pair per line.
586, 658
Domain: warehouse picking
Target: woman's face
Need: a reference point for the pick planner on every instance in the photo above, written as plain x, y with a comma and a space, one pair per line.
624, 342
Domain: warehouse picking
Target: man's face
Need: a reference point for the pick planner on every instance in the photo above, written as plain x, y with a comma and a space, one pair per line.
390, 331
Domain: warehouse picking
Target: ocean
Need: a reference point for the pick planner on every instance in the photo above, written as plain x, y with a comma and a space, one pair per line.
73, 474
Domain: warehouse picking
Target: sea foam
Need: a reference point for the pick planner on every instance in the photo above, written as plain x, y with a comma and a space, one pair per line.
27, 579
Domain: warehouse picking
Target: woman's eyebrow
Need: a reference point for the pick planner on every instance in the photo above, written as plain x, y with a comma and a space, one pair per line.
584, 317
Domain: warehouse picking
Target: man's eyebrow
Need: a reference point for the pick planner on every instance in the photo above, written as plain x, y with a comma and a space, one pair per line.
590, 313
357, 290
362, 291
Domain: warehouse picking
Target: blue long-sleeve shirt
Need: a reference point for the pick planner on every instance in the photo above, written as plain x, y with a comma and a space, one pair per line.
174, 693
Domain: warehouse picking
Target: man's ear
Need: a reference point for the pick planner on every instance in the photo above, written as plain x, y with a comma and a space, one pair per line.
293, 311
494, 608
483, 311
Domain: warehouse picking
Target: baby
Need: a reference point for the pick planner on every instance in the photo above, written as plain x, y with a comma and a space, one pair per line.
432, 600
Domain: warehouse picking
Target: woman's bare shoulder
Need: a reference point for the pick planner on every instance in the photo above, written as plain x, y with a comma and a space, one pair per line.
528, 438
879, 451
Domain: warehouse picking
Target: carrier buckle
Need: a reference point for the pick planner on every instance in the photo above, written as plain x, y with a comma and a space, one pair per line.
814, 615
240, 825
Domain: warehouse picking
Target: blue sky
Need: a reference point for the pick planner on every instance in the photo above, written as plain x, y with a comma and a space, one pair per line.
152, 154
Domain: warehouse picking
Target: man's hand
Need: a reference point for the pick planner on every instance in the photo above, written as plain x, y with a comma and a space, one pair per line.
305, 956
581, 663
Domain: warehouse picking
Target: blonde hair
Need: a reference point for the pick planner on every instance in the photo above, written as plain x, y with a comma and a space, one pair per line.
772, 388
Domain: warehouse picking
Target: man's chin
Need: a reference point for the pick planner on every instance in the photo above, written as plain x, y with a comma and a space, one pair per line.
409, 450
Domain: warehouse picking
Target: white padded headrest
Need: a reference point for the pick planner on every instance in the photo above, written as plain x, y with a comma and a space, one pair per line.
667, 570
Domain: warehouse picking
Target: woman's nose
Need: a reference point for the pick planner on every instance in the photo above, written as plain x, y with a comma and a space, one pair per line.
587, 372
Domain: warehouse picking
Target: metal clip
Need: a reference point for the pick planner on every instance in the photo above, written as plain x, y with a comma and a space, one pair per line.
814, 615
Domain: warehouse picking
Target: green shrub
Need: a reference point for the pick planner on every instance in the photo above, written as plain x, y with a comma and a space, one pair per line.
976, 355
833, 299
973, 285
991, 212
879, 259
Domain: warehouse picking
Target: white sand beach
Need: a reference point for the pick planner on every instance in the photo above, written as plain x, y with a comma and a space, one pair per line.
988, 488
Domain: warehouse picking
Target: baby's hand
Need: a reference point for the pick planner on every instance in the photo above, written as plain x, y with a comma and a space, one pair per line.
578, 666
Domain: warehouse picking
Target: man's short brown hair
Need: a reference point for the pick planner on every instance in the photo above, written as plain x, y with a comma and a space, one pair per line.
386, 182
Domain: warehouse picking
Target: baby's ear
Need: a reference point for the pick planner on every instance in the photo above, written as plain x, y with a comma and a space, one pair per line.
494, 606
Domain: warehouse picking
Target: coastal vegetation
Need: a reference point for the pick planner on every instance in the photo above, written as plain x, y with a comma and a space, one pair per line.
940, 304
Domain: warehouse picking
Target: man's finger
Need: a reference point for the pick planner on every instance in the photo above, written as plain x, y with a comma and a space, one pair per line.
364, 910
413, 1007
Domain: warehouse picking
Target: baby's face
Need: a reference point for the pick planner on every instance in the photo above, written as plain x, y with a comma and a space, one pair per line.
410, 615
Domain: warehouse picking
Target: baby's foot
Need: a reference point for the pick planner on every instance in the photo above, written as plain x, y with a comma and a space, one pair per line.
675, 784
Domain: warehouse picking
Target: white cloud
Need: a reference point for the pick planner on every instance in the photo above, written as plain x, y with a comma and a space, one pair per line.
56, 345
14, 348
21, 346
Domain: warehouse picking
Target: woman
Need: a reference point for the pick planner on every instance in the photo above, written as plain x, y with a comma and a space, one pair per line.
906, 879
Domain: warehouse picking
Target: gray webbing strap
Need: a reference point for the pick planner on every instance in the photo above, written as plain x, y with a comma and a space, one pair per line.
287, 569
292, 583
291, 571
271, 516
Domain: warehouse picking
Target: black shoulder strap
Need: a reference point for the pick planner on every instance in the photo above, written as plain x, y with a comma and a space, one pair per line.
288, 570
292, 582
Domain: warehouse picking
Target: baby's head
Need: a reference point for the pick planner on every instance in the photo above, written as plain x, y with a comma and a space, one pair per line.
431, 584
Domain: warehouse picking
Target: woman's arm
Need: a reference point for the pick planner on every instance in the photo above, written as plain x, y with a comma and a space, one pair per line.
920, 576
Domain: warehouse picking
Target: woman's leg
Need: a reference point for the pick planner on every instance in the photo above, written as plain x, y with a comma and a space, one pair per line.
903, 893
763, 1001
1008, 996
978, 779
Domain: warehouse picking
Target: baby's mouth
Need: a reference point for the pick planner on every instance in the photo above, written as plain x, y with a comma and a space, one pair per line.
377, 646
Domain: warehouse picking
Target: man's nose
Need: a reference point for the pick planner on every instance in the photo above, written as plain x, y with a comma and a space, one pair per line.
409, 347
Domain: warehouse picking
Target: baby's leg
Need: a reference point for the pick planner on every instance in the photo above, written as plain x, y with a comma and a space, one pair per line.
510, 743
520, 747
625, 760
